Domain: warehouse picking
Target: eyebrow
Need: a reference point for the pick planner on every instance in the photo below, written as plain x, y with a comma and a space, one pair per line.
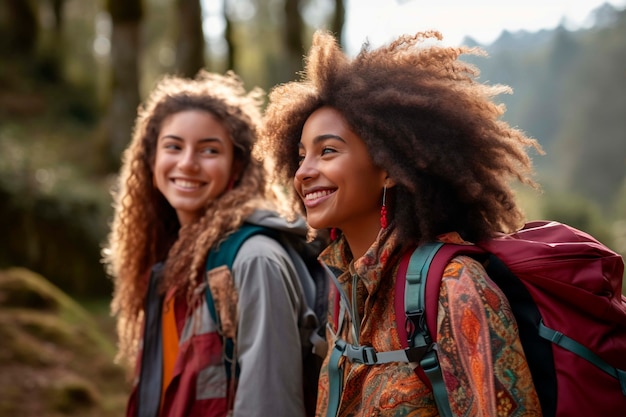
322, 138
203, 140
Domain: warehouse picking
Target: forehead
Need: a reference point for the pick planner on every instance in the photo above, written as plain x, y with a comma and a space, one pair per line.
191, 117
194, 124
326, 120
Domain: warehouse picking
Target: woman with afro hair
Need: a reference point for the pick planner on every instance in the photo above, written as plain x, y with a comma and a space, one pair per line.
399, 146
190, 179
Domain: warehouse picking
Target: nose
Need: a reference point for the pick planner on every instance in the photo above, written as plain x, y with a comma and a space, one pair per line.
187, 161
306, 171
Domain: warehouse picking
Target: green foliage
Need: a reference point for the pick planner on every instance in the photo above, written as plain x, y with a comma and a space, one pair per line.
55, 358
53, 210
619, 206
569, 94
579, 212
592, 140
72, 394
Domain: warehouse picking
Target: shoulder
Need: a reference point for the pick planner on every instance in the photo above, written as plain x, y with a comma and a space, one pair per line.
260, 248
262, 259
465, 280
463, 267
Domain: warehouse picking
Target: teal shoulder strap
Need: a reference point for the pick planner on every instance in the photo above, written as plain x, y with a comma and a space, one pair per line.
225, 253
415, 308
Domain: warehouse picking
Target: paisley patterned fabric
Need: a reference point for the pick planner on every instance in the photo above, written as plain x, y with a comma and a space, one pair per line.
484, 366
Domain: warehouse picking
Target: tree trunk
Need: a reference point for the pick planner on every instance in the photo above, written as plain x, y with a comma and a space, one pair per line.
23, 28
124, 94
57, 12
339, 18
228, 37
293, 37
53, 49
190, 42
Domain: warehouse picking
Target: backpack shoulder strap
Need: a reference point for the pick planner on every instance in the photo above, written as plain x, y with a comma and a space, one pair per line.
226, 252
417, 294
416, 322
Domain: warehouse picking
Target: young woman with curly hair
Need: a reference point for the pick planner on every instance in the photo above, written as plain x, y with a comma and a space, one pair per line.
189, 179
395, 147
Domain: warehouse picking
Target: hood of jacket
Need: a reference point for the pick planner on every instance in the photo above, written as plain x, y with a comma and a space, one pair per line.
273, 220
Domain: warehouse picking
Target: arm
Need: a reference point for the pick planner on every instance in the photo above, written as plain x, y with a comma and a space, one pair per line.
480, 352
268, 342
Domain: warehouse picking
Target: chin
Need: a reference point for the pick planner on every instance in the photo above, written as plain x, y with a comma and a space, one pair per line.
316, 223
319, 225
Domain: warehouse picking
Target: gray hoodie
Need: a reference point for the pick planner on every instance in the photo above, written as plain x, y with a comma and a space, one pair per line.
271, 311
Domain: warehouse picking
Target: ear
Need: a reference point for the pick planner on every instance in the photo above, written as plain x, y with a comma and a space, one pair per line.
389, 182
236, 171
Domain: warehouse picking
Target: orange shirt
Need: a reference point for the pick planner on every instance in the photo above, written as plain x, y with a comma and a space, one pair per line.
170, 342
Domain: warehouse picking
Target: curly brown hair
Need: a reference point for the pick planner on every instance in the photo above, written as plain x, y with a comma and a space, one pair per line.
145, 228
426, 119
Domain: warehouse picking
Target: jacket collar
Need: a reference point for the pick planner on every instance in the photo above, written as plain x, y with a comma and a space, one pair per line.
382, 255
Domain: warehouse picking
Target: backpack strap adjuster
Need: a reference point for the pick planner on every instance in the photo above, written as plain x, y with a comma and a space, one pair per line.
417, 333
365, 355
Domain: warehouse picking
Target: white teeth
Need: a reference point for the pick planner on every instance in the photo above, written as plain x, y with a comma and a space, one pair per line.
317, 194
187, 184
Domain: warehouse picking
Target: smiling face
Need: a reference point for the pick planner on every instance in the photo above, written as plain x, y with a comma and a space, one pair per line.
337, 181
194, 161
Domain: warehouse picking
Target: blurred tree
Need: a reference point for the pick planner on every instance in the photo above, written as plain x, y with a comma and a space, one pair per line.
579, 212
293, 38
228, 37
124, 98
592, 139
568, 93
558, 59
159, 33
338, 21
22, 27
190, 39
57, 14
53, 50
256, 44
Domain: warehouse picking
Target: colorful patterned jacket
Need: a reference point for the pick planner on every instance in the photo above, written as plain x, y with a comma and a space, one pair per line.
483, 363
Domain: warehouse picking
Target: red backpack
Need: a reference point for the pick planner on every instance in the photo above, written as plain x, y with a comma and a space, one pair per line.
565, 290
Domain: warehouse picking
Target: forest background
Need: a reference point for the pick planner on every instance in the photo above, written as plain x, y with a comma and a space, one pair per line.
72, 73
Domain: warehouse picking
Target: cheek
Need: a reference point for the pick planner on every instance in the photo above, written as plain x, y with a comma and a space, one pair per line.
367, 185
296, 185
221, 174
158, 170
160, 162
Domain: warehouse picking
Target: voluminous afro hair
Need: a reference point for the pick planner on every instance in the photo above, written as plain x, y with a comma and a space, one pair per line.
424, 118
145, 227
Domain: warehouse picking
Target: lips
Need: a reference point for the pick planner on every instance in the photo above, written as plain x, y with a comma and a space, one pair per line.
187, 184
313, 198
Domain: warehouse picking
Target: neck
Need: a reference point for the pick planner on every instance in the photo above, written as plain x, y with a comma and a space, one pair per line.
360, 239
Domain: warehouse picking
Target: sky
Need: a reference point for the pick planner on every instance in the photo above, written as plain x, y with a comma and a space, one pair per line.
379, 21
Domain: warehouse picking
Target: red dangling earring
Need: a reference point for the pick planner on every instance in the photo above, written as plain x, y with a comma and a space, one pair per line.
383, 210
334, 234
